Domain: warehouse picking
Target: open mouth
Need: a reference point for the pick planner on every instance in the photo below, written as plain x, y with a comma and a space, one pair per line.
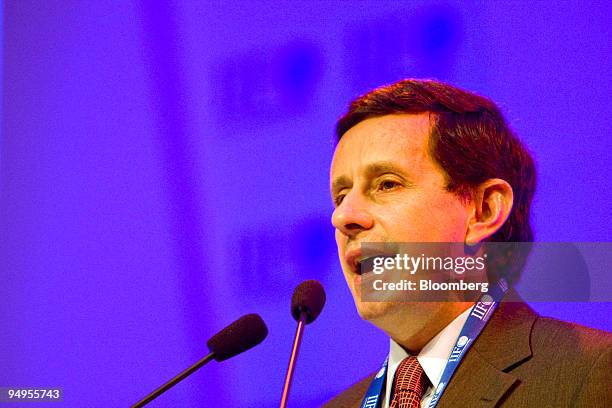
365, 265
362, 264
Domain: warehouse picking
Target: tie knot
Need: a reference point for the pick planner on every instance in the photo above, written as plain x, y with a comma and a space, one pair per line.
409, 384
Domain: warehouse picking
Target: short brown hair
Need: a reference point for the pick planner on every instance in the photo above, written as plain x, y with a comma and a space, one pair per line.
470, 139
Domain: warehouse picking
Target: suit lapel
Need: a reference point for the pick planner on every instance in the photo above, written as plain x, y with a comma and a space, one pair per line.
476, 384
480, 379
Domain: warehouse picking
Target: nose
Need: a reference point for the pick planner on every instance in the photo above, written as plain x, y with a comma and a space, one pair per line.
352, 215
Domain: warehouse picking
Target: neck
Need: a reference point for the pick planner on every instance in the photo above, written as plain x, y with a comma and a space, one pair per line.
414, 338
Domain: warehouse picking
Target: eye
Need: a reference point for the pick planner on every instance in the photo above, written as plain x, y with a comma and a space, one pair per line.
338, 199
387, 185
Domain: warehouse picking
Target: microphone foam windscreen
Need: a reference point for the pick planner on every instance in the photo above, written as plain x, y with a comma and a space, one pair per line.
243, 334
308, 297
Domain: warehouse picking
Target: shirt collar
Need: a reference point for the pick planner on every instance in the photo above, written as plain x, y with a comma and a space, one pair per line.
433, 356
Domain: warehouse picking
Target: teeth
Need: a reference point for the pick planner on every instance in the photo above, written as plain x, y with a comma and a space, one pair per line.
365, 258
364, 264
361, 259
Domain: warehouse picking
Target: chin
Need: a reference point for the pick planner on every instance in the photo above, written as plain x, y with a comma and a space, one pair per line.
374, 311
402, 321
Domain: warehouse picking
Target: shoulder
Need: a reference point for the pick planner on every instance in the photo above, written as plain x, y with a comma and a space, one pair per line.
540, 354
352, 396
572, 359
569, 340
582, 353
517, 326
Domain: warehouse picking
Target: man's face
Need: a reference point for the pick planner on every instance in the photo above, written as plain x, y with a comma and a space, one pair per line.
387, 188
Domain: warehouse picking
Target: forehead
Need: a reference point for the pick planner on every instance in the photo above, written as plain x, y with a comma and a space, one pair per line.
401, 139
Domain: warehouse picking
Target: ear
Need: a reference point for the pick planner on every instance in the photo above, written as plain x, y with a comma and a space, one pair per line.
492, 201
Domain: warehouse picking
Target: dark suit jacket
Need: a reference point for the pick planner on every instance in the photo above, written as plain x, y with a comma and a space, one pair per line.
524, 360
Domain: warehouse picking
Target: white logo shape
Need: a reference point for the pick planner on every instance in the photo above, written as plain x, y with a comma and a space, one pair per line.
380, 373
487, 300
462, 341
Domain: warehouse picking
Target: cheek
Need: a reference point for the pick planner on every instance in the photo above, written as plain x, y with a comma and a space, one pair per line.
451, 216
341, 245
438, 218
340, 241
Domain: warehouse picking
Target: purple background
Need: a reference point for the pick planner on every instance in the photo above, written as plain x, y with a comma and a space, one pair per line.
164, 170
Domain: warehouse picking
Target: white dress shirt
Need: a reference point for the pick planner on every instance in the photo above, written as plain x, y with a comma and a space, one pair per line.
432, 358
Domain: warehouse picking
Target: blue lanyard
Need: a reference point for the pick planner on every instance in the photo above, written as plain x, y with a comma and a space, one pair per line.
475, 323
372, 397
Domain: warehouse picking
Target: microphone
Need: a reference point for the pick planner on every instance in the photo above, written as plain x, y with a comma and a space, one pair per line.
306, 304
241, 335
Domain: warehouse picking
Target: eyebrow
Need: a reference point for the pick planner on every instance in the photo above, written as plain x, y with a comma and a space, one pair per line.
371, 170
382, 167
339, 183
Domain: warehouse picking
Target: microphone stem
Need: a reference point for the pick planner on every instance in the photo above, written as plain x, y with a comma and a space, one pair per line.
173, 382
293, 360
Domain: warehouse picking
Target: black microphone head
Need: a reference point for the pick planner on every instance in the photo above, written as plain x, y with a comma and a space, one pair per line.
243, 334
308, 297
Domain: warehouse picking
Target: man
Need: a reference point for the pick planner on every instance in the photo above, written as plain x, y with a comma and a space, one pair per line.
423, 161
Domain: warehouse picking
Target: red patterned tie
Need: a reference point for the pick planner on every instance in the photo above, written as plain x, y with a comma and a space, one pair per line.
409, 384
